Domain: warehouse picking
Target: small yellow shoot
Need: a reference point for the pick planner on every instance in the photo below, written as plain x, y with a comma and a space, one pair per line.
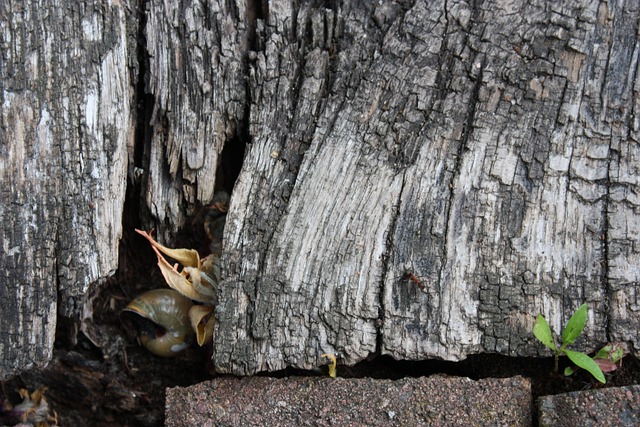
332, 365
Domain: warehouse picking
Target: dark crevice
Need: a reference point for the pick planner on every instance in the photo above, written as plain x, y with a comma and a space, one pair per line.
134, 211
467, 130
386, 258
144, 101
231, 158
561, 103
332, 41
478, 366
604, 268
257, 10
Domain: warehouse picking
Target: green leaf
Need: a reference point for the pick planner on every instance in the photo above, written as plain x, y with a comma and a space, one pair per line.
568, 371
617, 355
542, 331
575, 326
603, 353
586, 363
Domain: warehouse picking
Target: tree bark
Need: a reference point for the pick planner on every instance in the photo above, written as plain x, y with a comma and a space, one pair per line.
489, 150
421, 179
65, 130
197, 63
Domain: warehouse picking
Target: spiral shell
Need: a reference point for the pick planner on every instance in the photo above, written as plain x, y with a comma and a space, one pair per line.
162, 321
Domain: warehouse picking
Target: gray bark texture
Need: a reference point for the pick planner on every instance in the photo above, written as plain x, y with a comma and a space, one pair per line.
421, 179
65, 131
490, 149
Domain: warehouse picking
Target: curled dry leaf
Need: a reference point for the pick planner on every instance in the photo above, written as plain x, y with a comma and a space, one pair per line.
193, 281
186, 257
197, 281
203, 322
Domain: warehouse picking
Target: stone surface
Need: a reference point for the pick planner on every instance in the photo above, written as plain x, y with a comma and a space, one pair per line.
313, 401
617, 406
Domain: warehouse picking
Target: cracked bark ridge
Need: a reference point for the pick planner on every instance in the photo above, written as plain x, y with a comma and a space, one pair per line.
487, 150
65, 128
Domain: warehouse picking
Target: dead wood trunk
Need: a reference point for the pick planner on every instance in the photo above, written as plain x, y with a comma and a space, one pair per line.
65, 130
420, 179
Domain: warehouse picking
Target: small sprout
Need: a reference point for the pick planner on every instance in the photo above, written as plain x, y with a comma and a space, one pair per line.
571, 332
332, 365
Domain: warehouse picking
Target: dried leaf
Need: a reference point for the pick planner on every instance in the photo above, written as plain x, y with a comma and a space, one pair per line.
34, 409
609, 356
178, 281
201, 283
614, 352
606, 365
203, 322
186, 257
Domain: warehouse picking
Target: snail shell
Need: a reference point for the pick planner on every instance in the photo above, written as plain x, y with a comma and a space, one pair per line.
161, 317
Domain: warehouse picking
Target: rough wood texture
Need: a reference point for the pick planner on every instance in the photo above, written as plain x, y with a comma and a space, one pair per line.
197, 65
486, 149
421, 178
489, 149
65, 127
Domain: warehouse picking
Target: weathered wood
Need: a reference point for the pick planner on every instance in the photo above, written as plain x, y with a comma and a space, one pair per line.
488, 149
197, 68
421, 179
65, 129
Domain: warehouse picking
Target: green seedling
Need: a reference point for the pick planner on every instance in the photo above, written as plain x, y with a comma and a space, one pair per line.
571, 332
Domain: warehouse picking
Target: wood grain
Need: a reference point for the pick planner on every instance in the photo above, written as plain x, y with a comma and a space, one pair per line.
420, 179
65, 131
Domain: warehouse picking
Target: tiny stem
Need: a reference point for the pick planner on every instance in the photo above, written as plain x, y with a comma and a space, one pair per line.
555, 369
